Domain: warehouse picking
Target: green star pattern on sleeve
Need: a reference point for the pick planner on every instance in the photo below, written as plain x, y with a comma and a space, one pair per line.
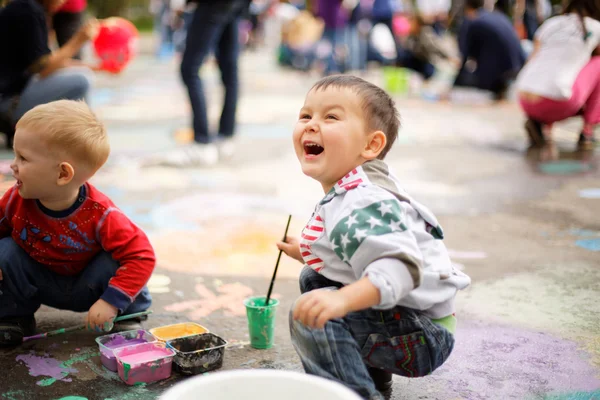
377, 219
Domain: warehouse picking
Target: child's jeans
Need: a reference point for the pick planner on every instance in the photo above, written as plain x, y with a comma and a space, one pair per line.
401, 341
26, 284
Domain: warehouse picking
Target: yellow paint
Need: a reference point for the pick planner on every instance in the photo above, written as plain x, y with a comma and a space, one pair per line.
168, 332
184, 135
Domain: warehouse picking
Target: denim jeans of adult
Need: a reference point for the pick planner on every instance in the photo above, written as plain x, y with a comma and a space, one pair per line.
214, 26
66, 83
336, 60
26, 284
401, 341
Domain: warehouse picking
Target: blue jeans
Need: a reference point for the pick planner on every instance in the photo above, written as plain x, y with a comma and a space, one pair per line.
335, 62
27, 284
214, 25
401, 341
66, 83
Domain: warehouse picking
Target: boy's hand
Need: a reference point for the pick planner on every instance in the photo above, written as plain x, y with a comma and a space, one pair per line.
315, 308
291, 247
100, 316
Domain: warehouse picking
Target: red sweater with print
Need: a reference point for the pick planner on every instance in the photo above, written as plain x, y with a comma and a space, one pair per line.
66, 241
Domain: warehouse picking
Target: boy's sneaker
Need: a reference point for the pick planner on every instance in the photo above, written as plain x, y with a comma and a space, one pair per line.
12, 330
586, 142
382, 379
536, 135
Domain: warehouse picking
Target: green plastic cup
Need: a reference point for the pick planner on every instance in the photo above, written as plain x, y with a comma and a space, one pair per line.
261, 321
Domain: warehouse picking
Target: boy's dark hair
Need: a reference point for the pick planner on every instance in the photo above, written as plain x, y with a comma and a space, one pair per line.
474, 4
583, 8
378, 107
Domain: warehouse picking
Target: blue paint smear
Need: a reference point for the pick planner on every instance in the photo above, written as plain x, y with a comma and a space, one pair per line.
589, 244
564, 167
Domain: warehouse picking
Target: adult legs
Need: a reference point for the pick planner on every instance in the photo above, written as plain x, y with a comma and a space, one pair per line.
67, 83
204, 31
227, 58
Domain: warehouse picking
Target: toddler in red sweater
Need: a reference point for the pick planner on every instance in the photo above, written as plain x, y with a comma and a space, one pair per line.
63, 243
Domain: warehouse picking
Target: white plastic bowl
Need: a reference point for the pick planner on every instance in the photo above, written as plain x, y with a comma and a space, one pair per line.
258, 384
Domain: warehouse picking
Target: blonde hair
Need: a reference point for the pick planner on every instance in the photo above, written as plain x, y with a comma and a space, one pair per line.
71, 128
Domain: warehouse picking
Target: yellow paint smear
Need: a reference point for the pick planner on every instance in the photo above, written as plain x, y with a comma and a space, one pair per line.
168, 332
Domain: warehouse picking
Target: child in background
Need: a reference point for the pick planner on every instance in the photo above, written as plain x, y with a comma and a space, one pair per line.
378, 285
64, 243
299, 39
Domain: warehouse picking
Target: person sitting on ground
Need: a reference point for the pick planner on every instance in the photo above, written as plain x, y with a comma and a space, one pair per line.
562, 77
299, 40
64, 243
377, 275
30, 73
492, 53
422, 46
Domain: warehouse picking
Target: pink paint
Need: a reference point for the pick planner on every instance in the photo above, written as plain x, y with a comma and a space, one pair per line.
144, 357
46, 366
146, 362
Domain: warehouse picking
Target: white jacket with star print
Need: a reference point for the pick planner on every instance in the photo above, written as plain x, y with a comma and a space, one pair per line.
368, 226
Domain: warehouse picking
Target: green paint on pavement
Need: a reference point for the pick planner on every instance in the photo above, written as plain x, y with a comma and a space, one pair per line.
595, 395
11, 395
564, 167
73, 398
46, 382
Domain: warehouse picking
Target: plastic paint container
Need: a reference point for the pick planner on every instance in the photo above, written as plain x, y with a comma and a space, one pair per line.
258, 384
146, 362
109, 343
197, 354
168, 332
261, 321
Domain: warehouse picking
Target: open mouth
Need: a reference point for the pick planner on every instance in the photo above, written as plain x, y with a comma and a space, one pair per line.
312, 148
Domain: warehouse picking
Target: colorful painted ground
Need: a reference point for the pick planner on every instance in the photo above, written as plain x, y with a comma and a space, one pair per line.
527, 234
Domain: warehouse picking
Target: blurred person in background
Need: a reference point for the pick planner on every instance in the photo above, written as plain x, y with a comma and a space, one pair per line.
30, 73
214, 27
67, 21
491, 51
562, 77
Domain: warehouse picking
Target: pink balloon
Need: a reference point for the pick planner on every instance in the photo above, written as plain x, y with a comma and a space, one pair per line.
401, 25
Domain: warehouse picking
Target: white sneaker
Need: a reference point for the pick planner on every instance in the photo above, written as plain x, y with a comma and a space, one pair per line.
227, 148
190, 155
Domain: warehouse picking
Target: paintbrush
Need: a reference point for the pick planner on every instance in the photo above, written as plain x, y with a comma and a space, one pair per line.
80, 327
277, 263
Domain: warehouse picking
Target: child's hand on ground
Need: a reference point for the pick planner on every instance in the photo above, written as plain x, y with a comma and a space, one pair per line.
291, 247
101, 316
315, 308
